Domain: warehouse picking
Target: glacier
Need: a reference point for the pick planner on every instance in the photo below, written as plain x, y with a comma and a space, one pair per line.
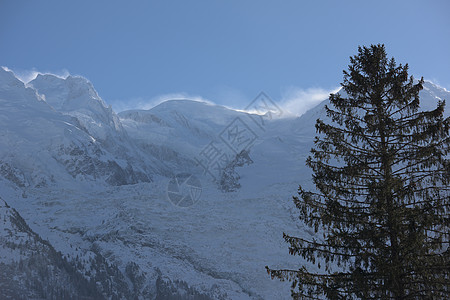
91, 186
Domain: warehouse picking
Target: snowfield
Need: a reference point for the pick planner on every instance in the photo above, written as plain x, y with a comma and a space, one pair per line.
94, 184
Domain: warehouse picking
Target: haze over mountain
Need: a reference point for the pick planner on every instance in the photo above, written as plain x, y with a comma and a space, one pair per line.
88, 195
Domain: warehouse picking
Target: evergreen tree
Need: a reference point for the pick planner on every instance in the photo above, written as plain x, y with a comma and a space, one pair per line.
381, 203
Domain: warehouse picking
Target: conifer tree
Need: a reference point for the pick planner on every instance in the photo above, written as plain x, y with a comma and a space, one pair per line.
380, 207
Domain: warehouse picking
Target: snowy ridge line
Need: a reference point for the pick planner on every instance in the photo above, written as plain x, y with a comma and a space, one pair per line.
94, 184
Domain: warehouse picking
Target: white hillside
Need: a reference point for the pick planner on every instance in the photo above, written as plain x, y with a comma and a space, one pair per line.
96, 186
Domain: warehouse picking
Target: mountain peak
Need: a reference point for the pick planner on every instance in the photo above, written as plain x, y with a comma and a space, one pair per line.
76, 96
67, 93
193, 108
8, 79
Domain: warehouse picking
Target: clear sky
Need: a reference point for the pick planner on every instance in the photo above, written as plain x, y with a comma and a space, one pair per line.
136, 52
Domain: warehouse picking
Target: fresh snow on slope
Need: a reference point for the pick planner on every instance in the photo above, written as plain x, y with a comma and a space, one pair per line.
77, 97
95, 184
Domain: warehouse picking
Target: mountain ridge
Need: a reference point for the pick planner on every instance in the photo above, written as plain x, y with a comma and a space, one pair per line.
95, 184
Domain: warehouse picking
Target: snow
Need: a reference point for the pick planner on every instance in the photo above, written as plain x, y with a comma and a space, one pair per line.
219, 245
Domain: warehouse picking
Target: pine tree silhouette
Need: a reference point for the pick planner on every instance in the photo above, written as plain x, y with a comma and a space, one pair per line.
381, 203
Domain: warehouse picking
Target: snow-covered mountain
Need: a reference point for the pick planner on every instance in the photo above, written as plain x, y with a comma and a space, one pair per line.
58, 129
32, 269
106, 191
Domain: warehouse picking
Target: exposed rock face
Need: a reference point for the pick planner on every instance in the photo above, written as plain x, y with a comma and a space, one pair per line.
229, 182
86, 161
94, 185
31, 267
54, 124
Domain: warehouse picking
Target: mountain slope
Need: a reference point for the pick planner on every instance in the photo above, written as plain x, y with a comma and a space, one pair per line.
45, 146
31, 268
96, 185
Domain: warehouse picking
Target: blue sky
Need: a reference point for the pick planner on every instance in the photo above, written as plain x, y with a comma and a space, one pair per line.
138, 52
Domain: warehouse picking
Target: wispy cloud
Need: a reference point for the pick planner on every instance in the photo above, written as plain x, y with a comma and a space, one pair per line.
435, 81
230, 97
27, 75
296, 101
143, 103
